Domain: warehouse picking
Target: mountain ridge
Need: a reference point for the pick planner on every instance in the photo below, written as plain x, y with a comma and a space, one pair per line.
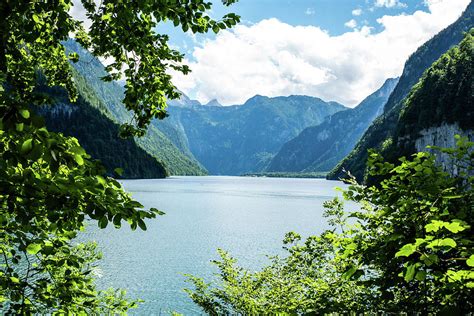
155, 142
242, 138
384, 126
321, 147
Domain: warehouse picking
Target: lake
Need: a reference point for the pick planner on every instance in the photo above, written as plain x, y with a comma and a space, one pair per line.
244, 215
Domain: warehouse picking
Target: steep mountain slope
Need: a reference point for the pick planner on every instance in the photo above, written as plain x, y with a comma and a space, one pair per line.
384, 126
87, 120
238, 139
439, 106
321, 147
161, 145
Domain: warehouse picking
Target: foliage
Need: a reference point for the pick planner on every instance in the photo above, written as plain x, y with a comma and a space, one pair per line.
142, 54
442, 96
98, 136
49, 186
408, 249
384, 127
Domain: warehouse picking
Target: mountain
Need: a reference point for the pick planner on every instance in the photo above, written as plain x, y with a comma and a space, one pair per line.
384, 127
213, 102
159, 143
231, 140
439, 106
321, 147
88, 121
226, 140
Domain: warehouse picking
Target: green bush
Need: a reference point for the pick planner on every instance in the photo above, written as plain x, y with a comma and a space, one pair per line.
409, 248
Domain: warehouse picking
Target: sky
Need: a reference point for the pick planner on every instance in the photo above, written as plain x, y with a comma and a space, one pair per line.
337, 50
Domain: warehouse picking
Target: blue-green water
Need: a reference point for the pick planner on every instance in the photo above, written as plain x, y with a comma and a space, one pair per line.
246, 216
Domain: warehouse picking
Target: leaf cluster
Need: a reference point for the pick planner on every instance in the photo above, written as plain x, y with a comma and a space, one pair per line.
408, 249
49, 186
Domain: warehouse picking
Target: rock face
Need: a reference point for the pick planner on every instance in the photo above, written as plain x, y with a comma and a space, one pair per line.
321, 147
385, 126
442, 136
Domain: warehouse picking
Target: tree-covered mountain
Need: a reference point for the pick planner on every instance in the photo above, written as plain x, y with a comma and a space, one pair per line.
239, 139
439, 106
178, 160
321, 147
384, 127
87, 121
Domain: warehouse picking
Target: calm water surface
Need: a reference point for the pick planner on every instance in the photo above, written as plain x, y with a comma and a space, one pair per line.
246, 216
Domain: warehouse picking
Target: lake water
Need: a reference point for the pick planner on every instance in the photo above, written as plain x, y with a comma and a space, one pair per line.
246, 216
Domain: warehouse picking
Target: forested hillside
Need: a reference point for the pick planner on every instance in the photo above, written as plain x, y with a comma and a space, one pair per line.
441, 101
239, 139
384, 126
87, 121
321, 147
178, 160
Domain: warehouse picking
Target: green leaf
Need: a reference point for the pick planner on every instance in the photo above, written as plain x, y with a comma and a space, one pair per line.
429, 259
346, 275
117, 219
33, 249
103, 221
470, 261
25, 113
74, 57
445, 242
454, 227
434, 226
118, 171
406, 251
79, 160
410, 273
156, 211
26, 146
106, 17
14, 280
420, 275
141, 224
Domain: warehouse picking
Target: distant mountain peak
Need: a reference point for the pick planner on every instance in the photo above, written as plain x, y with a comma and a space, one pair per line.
256, 98
183, 101
213, 102
294, 98
388, 86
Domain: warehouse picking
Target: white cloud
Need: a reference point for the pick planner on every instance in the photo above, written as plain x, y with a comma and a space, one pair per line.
310, 11
78, 12
389, 3
274, 58
351, 23
356, 12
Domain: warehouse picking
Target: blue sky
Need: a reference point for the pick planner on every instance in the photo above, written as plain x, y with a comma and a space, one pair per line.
337, 50
330, 15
